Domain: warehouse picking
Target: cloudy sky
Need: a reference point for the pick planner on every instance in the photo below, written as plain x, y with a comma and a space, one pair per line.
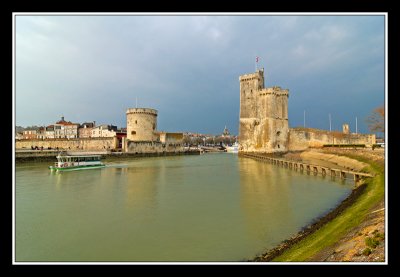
92, 68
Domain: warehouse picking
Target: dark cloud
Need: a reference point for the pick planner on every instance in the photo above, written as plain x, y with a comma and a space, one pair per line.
94, 67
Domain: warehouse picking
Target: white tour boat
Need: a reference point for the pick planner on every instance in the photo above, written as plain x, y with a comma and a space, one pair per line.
232, 149
75, 162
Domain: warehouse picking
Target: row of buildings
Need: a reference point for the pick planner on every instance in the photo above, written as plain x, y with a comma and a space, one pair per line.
63, 129
139, 137
225, 138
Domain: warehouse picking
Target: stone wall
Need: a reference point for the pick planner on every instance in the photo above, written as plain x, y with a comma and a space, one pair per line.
303, 138
85, 132
138, 147
70, 144
176, 138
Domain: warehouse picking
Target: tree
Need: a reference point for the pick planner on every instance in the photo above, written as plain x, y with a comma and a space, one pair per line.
376, 121
186, 140
218, 140
198, 141
210, 140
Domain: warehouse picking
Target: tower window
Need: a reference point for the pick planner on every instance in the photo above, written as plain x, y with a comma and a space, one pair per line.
279, 146
278, 133
133, 133
136, 121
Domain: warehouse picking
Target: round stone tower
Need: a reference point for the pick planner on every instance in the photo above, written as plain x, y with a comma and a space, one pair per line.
141, 124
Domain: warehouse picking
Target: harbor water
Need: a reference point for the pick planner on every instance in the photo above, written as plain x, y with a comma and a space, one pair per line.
210, 208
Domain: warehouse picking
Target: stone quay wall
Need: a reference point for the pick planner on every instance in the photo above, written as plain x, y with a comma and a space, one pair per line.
138, 147
303, 138
70, 144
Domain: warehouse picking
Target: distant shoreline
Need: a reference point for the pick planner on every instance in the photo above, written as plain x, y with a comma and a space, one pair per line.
45, 155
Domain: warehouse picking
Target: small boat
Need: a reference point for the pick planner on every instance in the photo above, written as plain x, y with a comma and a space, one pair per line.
75, 162
232, 149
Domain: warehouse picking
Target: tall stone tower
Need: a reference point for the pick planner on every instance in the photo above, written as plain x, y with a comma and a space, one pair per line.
141, 124
263, 125
346, 128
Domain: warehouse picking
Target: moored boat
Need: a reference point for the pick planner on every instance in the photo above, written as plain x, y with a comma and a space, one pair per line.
232, 149
76, 162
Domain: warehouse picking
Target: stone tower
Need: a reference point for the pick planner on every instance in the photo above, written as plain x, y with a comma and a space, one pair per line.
346, 128
263, 125
141, 124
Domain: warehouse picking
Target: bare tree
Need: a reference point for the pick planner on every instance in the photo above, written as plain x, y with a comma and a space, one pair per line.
197, 141
210, 140
186, 140
376, 121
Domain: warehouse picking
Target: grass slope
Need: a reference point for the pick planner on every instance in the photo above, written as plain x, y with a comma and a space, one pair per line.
351, 217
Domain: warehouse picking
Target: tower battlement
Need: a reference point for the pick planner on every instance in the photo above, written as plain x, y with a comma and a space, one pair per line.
142, 111
274, 91
251, 76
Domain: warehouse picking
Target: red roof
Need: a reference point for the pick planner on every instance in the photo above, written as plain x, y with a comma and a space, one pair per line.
66, 123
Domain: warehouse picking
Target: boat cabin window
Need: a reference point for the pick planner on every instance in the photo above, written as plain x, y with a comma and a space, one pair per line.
78, 159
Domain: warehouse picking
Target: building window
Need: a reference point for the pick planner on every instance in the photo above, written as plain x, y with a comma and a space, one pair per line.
136, 121
133, 133
278, 133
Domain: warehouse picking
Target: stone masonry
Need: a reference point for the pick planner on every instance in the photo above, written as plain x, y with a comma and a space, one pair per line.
70, 144
141, 124
143, 137
263, 123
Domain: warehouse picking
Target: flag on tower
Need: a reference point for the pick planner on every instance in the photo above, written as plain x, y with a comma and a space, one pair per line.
257, 58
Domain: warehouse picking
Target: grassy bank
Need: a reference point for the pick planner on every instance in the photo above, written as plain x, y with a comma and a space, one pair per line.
333, 231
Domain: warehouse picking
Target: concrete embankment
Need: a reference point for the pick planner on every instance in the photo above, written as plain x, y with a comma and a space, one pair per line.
321, 158
50, 155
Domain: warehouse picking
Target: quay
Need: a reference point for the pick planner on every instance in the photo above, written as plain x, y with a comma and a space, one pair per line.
50, 155
309, 168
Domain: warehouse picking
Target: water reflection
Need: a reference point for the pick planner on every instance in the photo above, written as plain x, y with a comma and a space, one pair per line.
190, 208
264, 195
277, 202
140, 187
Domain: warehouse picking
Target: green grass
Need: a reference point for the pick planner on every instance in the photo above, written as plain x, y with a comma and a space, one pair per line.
371, 242
367, 251
351, 217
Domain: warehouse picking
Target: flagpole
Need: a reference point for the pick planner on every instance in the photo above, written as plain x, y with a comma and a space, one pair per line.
356, 126
330, 123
